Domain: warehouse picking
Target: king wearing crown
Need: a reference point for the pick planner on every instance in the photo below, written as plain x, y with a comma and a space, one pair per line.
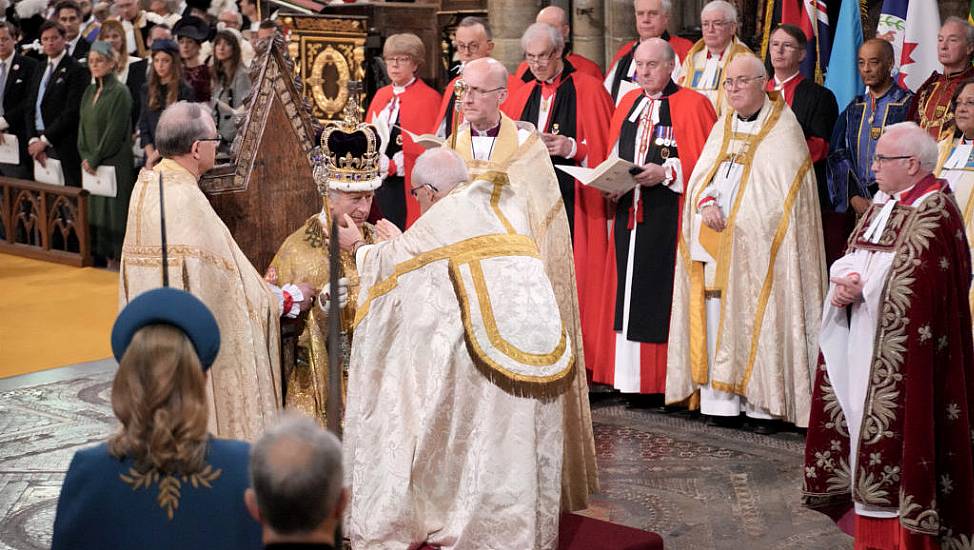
347, 175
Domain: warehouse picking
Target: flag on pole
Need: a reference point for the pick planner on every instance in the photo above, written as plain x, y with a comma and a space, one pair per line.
912, 27
970, 13
843, 75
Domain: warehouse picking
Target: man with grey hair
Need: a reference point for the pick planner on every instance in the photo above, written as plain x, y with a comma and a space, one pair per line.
473, 39
436, 173
892, 391
557, 18
705, 63
201, 257
571, 110
296, 478
747, 292
652, 20
931, 108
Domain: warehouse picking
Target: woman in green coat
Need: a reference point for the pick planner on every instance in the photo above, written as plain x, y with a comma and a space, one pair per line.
105, 139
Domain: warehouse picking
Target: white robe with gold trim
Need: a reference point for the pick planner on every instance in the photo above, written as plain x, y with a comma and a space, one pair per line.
243, 386
959, 173
769, 273
460, 361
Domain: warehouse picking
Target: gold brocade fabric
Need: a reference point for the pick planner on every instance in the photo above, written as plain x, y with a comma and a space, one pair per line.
531, 174
962, 188
243, 385
303, 258
770, 273
697, 58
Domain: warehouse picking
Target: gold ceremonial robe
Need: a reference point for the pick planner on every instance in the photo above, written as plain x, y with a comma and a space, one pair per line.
244, 385
460, 361
694, 73
520, 153
303, 257
769, 271
959, 173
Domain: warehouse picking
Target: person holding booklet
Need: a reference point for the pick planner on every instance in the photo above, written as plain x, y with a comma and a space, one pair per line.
662, 129
105, 146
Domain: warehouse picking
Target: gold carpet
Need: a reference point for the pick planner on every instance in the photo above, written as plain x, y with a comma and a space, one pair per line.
52, 315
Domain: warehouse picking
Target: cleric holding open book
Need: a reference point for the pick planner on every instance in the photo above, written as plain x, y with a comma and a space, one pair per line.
662, 129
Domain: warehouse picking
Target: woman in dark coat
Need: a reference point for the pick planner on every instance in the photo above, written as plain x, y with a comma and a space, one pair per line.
165, 87
161, 481
130, 71
105, 139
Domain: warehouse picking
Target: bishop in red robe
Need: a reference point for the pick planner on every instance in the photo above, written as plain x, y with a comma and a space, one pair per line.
889, 437
557, 18
661, 127
931, 109
407, 103
572, 111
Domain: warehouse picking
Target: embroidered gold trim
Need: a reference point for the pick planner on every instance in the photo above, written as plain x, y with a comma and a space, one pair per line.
152, 256
169, 485
484, 246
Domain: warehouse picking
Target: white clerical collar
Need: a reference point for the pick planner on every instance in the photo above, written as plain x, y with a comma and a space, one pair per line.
779, 84
400, 89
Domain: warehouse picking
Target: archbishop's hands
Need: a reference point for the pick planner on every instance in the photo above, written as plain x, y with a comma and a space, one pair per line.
324, 299
349, 234
713, 217
386, 230
848, 290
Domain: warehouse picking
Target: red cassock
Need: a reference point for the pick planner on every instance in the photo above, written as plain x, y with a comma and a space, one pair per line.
692, 117
446, 104
581, 109
581, 63
416, 114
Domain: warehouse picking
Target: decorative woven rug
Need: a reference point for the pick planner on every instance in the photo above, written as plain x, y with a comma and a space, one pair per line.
698, 486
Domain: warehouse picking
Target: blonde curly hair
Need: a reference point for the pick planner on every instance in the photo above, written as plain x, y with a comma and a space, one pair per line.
159, 396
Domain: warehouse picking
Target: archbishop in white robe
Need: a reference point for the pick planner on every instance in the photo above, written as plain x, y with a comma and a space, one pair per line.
453, 431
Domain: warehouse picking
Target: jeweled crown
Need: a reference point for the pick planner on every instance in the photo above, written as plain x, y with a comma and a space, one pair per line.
349, 159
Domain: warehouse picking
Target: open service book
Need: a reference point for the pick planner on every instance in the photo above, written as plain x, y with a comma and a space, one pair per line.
612, 176
426, 141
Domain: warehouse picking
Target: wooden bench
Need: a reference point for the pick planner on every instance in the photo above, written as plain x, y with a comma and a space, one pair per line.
44, 222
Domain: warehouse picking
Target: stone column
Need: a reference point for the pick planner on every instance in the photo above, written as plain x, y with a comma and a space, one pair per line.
509, 19
620, 26
588, 30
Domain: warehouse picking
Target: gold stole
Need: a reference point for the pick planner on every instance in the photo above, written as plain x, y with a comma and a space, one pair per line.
505, 145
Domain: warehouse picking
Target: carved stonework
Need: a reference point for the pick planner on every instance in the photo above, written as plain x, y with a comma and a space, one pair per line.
330, 51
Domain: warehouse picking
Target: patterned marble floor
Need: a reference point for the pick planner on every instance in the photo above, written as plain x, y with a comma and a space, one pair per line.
698, 486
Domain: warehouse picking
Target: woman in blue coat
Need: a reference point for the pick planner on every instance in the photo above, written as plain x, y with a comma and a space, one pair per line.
161, 481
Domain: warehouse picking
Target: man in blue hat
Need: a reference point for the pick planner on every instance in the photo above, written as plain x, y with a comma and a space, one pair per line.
202, 257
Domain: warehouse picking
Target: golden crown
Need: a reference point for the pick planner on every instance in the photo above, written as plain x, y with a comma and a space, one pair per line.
349, 158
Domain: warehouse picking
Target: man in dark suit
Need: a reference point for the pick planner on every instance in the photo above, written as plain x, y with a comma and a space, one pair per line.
16, 76
68, 14
55, 104
816, 110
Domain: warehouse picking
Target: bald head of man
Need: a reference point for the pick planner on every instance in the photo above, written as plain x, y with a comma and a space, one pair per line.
875, 64
557, 18
486, 89
745, 84
655, 61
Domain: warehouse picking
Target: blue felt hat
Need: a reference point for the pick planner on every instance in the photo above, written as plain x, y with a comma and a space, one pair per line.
174, 307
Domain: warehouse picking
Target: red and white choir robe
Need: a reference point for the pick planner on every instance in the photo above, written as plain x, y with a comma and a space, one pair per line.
623, 66
891, 420
411, 106
445, 113
581, 63
575, 105
634, 315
